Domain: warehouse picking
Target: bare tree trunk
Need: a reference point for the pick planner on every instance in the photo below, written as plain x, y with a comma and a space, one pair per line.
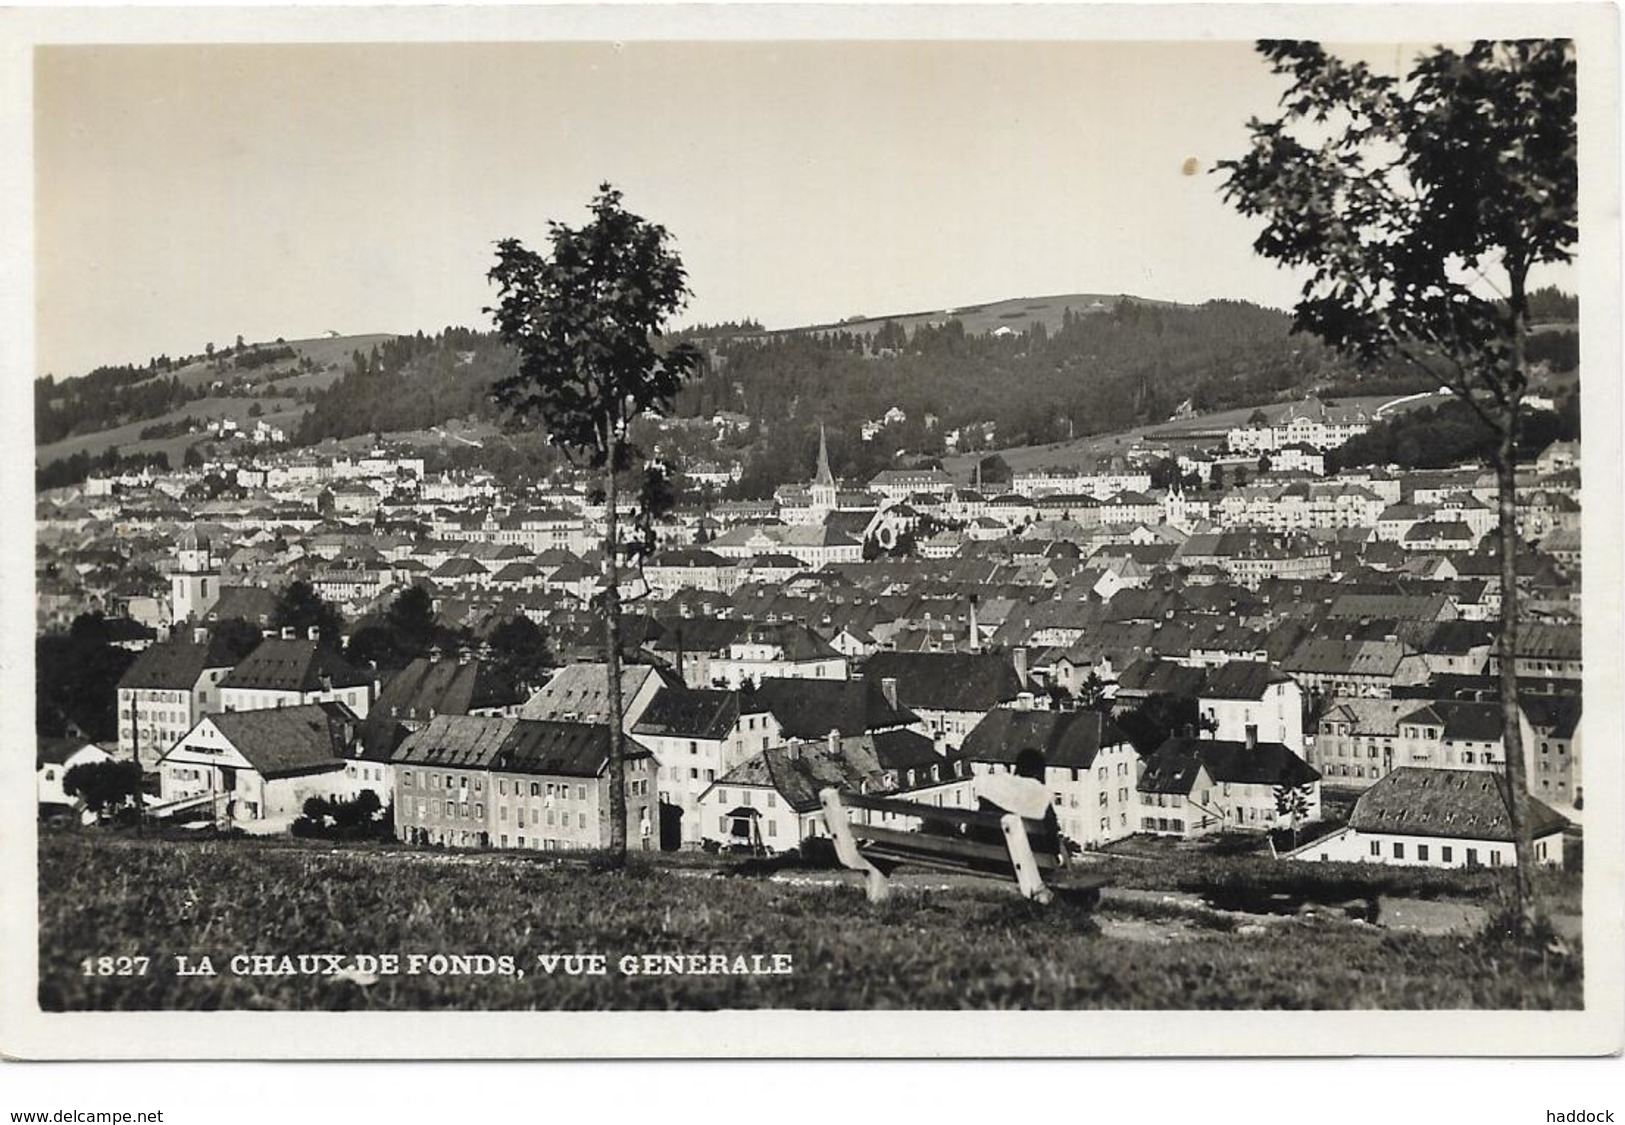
612, 663
1511, 722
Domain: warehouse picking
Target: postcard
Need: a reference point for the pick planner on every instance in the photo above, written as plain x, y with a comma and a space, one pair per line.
792, 531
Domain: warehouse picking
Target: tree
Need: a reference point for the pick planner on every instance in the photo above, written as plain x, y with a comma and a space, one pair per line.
1417, 209
519, 652
104, 786
301, 608
411, 622
587, 323
1292, 801
239, 637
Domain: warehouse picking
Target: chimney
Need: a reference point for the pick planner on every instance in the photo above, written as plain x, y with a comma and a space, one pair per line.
1019, 655
939, 743
833, 740
888, 688
975, 632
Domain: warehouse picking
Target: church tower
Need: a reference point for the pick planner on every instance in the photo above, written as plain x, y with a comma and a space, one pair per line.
194, 587
822, 489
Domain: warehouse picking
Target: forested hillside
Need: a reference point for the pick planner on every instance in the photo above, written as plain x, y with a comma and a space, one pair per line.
1044, 371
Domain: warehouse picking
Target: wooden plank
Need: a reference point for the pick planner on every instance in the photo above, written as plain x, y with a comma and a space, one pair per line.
926, 842
922, 811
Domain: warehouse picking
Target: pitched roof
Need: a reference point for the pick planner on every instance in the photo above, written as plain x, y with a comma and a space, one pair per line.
1265, 763
1242, 679
426, 687
582, 690
1067, 739
175, 665
1464, 804
508, 745
293, 665
812, 708
797, 773
690, 713
1150, 675
947, 681
286, 741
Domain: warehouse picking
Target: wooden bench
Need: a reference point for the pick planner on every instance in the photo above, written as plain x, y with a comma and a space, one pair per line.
876, 850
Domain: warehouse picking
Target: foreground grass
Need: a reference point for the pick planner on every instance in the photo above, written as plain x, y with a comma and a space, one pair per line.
966, 947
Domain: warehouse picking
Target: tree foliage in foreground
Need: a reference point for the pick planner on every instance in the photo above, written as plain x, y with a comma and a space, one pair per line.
1418, 207
587, 320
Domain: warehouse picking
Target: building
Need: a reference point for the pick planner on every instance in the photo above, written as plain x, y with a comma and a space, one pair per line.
53, 758
770, 802
776, 650
697, 736
194, 585
951, 691
1246, 699
260, 766
1197, 786
283, 672
579, 693
1438, 818
164, 693
534, 784
1089, 766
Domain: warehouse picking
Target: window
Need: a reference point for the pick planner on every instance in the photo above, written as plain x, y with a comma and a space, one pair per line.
772, 800
1376, 848
1105, 823
1445, 854
1472, 857
1495, 857
581, 792
722, 825
1422, 853
581, 819
773, 828
722, 795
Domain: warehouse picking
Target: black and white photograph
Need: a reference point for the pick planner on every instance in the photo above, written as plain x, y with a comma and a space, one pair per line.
856, 533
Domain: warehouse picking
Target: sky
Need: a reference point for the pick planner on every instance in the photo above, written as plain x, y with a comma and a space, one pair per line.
188, 194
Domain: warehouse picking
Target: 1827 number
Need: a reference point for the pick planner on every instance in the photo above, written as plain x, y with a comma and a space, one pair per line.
115, 966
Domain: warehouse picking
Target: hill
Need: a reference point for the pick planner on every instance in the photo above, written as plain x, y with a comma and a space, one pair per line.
1019, 314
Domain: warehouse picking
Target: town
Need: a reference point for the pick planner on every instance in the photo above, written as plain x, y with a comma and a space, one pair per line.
1207, 633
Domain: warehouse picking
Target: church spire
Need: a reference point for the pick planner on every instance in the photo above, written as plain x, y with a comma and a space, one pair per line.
823, 476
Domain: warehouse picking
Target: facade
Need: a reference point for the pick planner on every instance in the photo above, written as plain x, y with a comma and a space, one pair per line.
471, 781
260, 766
1250, 700
696, 737
1194, 787
165, 692
1089, 766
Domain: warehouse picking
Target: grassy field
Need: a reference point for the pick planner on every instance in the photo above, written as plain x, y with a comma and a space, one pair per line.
964, 945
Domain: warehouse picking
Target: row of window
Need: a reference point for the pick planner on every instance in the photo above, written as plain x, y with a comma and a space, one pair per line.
475, 810
1446, 853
